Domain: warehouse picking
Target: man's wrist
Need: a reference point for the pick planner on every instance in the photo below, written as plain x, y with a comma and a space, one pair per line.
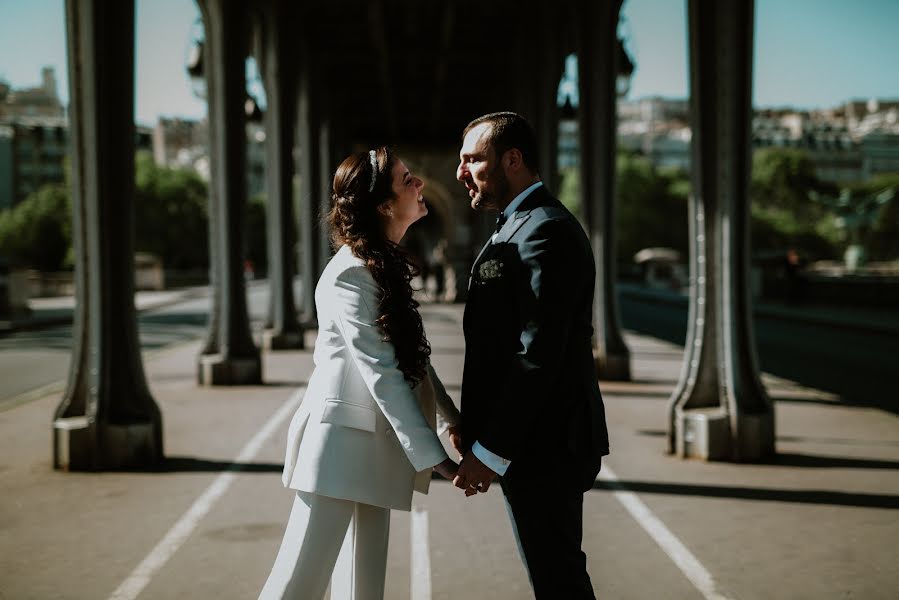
494, 462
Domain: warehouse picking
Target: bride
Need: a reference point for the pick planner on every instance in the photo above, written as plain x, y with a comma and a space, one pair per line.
364, 435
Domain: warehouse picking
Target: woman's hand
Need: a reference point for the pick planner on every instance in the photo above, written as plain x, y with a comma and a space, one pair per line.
447, 469
455, 438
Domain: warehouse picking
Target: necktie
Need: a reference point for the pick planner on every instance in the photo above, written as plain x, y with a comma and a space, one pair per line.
500, 220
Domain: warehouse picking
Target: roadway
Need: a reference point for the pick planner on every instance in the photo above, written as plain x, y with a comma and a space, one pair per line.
207, 524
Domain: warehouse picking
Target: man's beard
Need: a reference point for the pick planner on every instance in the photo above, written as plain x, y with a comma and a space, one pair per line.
487, 200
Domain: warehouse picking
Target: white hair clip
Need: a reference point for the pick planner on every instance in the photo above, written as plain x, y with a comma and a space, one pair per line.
373, 156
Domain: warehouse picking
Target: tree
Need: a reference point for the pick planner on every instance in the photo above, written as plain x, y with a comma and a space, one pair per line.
652, 207
783, 215
37, 232
170, 213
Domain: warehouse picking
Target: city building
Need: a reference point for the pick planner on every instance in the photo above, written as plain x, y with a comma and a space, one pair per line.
32, 154
41, 101
179, 142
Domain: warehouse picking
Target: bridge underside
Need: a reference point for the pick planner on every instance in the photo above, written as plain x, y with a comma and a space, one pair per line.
348, 74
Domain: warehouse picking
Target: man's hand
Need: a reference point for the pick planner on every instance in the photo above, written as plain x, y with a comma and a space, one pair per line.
473, 476
455, 438
447, 469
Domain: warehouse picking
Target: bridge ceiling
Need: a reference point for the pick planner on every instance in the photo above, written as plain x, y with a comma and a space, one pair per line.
416, 71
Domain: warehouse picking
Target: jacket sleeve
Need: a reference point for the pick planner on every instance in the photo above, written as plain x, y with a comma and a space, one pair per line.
447, 413
547, 297
376, 360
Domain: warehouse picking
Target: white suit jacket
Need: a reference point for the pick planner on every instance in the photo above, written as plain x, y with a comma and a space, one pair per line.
361, 433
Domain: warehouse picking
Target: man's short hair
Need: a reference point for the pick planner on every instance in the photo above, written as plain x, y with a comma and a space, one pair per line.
509, 130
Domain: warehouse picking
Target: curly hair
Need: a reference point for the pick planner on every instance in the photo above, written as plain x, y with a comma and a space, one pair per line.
354, 221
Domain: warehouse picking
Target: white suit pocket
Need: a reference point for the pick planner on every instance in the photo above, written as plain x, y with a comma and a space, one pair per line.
347, 414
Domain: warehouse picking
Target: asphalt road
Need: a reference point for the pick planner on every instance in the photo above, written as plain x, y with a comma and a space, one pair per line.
36, 362
854, 364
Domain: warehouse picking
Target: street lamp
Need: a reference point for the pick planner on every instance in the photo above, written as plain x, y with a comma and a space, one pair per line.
624, 70
194, 62
195, 65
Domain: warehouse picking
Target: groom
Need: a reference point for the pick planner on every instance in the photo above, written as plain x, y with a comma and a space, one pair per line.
531, 408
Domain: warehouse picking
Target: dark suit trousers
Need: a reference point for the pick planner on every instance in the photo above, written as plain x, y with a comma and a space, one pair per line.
549, 529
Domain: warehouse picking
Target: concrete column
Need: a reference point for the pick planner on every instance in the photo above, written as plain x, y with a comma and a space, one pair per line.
107, 418
326, 170
280, 89
550, 72
236, 359
596, 64
310, 195
720, 410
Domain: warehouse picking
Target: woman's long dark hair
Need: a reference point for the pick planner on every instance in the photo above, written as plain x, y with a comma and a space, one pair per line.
354, 220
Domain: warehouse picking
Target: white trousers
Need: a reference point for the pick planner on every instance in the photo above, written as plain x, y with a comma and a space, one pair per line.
324, 536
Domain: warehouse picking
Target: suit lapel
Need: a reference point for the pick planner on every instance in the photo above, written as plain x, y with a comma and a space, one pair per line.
536, 198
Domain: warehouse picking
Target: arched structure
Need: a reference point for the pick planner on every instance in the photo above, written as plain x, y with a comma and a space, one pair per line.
352, 73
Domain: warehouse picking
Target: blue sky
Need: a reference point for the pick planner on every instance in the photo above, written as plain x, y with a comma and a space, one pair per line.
809, 53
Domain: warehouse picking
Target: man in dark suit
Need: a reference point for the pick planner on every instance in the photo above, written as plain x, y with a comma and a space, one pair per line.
531, 408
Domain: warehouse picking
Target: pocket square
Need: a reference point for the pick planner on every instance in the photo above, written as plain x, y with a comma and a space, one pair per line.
490, 269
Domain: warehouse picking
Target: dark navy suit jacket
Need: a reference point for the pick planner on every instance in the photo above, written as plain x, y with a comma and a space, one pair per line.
529, 387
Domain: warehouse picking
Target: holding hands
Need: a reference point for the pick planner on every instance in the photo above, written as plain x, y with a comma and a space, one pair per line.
471, 474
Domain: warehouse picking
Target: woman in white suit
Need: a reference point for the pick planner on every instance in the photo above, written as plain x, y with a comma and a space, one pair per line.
366, 425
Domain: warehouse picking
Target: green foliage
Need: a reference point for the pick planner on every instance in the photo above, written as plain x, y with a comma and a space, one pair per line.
170, 213
652, 207
570, 190
37, 232
881, 239
782, 214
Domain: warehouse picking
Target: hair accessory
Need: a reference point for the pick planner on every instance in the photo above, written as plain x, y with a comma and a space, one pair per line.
373, 157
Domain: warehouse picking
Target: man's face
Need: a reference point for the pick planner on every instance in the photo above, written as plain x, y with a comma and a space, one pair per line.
480, 170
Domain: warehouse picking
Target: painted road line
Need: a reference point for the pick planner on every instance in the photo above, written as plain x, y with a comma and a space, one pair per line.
670, 544
172, 541
420, 555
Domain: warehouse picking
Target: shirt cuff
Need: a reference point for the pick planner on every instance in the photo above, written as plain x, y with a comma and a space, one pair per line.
496, 463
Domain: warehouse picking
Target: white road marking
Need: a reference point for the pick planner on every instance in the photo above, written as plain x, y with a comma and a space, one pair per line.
420, 555
670, 544
156, 559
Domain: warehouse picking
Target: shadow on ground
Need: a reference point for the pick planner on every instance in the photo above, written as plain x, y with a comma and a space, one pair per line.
755, 494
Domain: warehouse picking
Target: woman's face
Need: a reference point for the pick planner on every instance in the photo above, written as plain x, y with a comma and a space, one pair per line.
407, 206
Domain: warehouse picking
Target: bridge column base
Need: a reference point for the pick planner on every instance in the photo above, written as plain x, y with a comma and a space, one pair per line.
705, 433
216, 369
612, 367
702, 433
284, 340
80, 446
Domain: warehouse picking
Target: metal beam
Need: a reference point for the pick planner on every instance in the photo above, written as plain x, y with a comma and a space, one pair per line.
107, 418
279, 78
719, 410
597, 41
236, 359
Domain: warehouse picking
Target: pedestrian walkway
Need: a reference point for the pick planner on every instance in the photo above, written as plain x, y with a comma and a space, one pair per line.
818, 522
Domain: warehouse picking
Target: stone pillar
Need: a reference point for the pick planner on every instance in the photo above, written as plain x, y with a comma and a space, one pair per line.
280, 115
107, 418
720, 410
325, 177
235, 359
597, 44
550, 72
310, 195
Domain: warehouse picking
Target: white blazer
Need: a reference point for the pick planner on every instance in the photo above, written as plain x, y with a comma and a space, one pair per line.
361, 432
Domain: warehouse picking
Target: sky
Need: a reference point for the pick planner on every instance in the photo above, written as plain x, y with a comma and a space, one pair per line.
808, 53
